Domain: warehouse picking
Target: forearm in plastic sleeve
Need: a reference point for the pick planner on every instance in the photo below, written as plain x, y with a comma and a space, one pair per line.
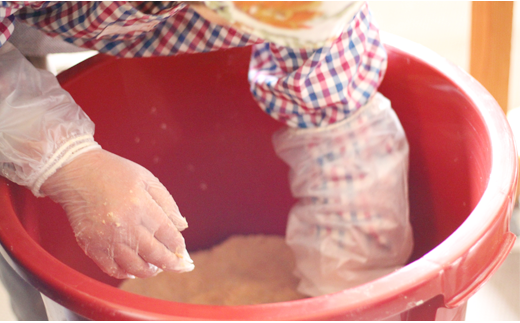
351, 224
41, 127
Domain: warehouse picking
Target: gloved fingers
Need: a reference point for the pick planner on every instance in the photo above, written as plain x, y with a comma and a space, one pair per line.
106, 262
132, 263
154, 217
166, 233
151, 250
162, 197
174, 242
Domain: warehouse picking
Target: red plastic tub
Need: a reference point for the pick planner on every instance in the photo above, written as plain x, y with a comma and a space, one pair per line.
191, 120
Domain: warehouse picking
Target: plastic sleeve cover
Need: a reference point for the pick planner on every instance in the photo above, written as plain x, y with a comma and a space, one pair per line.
41, 127
351, 223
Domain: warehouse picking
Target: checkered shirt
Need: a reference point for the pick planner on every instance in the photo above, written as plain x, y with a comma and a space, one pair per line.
301, 88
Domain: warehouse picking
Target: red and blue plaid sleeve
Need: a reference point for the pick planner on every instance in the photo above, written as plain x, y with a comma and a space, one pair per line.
309, 89
7, 11
124, 30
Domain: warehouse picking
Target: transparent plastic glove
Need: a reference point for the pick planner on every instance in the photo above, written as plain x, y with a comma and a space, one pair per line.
123, 217
41, 127
351, 224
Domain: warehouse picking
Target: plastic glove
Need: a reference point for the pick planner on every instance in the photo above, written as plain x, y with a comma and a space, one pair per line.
351, 223
41, 127
42, 130
123, 217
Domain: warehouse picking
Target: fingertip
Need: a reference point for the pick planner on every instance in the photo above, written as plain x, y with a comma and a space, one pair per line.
183, 267
154, 269
184, 262
179, 262
179, 221
186, 268
118, 273
126, 276
186, 256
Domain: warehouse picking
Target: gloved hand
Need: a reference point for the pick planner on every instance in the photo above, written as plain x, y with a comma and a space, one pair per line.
351, 224
122, 216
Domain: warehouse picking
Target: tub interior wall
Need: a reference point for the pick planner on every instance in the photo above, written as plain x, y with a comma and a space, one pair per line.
194, 124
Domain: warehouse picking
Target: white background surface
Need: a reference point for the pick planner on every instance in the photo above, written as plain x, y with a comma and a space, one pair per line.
445, 28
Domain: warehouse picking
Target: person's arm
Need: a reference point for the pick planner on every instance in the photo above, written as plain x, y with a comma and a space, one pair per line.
41, 127
123, 217
348, 156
